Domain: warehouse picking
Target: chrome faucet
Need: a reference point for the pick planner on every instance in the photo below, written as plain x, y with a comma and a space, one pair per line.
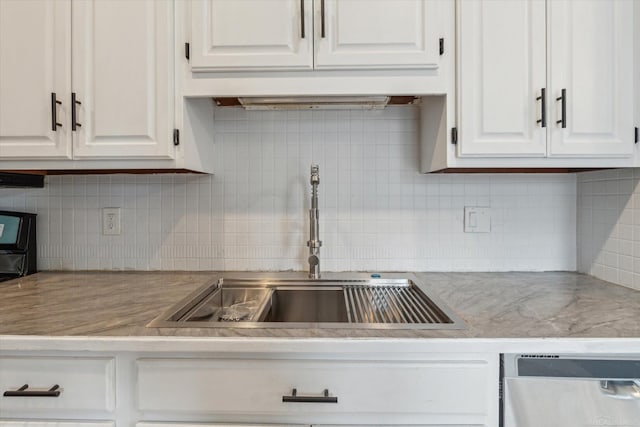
314, 242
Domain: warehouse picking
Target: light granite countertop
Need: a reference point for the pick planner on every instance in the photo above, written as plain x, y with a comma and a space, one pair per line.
493, 305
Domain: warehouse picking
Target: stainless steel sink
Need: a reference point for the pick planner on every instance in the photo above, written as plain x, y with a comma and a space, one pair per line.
300, 305
306, 303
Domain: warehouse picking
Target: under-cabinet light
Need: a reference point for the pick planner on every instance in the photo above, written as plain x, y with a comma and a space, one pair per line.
315, 102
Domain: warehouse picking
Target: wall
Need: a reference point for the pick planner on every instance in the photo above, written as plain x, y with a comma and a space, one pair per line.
377, 212
609, 225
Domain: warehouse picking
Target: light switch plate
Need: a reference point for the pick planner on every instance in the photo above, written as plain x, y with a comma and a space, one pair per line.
477, 219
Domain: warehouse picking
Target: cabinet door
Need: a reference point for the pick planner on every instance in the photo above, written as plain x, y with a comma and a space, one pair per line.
357, 391
86, 386
251, 35
123, 76
144, 424
591, 59
501, 72
35, 59
377, 34
44, 423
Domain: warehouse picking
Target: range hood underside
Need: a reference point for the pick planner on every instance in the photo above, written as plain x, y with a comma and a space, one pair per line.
316, 102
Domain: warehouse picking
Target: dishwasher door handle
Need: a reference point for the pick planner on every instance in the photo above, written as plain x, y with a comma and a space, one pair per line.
621, 389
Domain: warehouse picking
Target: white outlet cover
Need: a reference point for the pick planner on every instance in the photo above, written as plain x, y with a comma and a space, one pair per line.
111, 221
477, 219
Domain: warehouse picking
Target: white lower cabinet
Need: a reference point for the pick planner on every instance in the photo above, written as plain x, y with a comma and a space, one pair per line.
216, 425
41, 391
19, 423
73, 387
445, 390
278, 425
249, 389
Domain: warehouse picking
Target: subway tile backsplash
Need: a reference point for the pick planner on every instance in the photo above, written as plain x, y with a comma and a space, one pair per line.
378, 213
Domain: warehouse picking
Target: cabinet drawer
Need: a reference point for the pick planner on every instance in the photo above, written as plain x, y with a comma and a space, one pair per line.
371, 391
85, 384
55, 424
169, 424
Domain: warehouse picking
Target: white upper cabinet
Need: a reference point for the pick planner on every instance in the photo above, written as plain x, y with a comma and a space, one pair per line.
35, 59
252, 34
123, 78
114, 58
591, 62
579, 53
376, 34
501, 73
306, 34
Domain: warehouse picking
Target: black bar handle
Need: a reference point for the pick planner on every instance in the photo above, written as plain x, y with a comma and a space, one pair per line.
563, 99
302, 32
322, 29
74, 118
325, 398
25, 392
543, 108
54, 112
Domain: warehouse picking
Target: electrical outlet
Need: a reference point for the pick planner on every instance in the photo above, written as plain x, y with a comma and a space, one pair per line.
111, 221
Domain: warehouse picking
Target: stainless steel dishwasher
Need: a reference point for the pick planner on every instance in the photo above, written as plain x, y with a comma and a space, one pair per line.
571, 390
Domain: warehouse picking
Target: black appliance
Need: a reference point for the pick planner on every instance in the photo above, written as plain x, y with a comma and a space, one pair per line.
18, 255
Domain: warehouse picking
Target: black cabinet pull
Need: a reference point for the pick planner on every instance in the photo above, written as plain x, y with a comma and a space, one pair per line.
74, 118
25, 392
302, 32
563, 98
54, 112
322, 32
543, 108
325, 398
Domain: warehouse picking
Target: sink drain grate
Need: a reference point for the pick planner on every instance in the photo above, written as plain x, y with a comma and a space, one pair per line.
390, 304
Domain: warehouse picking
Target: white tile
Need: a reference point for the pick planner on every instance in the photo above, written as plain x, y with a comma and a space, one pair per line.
377, 212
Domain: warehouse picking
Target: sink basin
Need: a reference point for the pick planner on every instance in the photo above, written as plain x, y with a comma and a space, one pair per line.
306, 303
